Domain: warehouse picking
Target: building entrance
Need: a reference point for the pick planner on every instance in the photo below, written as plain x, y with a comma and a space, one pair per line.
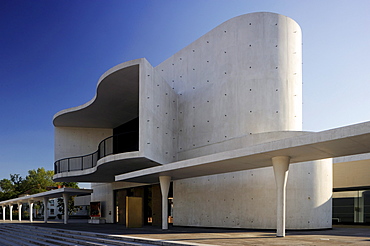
151, 211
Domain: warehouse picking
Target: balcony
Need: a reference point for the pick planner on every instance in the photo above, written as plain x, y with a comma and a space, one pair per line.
116, 144
116, 101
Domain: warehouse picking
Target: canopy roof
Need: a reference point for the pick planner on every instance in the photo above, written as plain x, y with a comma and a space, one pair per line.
343, 141
48, 194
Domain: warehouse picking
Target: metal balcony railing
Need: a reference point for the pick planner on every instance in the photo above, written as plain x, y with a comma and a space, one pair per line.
120, 143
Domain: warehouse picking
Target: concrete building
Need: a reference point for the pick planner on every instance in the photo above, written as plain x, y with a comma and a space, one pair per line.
207, 136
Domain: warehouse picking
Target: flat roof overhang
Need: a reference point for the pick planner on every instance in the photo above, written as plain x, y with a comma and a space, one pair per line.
343, 141
116, 100
48, 194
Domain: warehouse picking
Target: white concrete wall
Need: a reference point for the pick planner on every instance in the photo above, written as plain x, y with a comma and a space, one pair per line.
247, 199
157, 116
82, 200
73, 141
236, 143
103, 193
243, 77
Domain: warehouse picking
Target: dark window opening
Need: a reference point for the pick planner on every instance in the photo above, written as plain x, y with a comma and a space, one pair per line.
126, 137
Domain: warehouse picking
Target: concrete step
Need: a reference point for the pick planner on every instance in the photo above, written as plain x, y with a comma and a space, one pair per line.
6, 241
62, 237
79, 237
29, 238
117, 240
14, 239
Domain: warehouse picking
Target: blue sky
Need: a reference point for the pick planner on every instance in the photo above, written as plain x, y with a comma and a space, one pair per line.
53, 52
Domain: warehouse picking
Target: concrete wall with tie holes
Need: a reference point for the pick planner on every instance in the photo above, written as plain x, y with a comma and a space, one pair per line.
232, 86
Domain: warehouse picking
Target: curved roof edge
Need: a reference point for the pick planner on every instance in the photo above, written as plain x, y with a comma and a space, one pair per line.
262, 12
232, 20
60, 118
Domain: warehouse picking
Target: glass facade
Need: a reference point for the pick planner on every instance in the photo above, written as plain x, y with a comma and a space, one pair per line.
351, 206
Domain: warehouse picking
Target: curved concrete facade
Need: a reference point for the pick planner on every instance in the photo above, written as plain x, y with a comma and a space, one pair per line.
238, 85
243, 77
247, 199
246, 74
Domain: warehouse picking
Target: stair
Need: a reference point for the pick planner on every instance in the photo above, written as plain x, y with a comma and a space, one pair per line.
17, 234
23, 236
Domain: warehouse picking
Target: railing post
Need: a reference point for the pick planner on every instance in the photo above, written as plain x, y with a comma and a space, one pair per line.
68, 167
104, 149
82, 163
98, 154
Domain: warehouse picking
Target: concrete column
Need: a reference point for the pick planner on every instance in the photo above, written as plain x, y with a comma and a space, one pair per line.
11, 212
164, 182
281, 169
31, 210
46, 201
20, 211
65, 201
4, 208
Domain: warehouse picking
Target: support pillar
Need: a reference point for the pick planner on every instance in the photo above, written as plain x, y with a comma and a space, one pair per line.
164, 182
4, 208
281, 169
31, 210
46, 201
65, 201
20, 211
11, 212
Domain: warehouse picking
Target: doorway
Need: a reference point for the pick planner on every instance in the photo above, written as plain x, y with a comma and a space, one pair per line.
152, 204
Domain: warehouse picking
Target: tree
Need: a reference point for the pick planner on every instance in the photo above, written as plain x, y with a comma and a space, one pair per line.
12, 188
36, 181
39, 180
